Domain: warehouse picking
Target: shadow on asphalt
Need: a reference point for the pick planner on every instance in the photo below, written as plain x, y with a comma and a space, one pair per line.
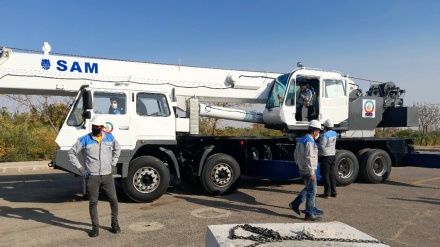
410, 185
434, 201
229, 200
42, 216
248, 183
47, 188
42, 188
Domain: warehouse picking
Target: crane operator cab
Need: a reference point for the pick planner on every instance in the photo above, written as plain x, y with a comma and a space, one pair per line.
304, 95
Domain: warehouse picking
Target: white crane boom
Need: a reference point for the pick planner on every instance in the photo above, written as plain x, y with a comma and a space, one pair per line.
45, 74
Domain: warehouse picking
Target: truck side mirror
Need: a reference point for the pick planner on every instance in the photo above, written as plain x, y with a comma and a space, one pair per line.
87, 100
87, 115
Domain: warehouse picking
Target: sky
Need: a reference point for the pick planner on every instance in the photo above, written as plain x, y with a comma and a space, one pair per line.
393, 40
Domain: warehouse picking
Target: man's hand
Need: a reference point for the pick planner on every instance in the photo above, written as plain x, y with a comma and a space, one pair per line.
313, 177
84, 172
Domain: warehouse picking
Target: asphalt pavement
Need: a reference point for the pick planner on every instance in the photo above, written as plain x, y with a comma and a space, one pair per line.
44, 208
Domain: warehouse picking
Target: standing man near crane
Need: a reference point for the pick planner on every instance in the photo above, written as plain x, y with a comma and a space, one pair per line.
327, 151
304, 100
306, 157
100, 152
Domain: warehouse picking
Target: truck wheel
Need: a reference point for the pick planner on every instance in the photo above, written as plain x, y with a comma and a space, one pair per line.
220, 174
346, 167
362, 152
147, 179
375, 166
359, 154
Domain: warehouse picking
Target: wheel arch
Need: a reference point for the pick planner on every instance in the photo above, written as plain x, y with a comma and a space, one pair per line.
161, 152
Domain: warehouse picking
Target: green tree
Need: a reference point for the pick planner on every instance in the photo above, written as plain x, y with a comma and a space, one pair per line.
25, 136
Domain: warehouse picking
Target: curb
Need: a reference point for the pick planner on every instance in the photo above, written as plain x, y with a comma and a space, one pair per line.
11, 167
435, 150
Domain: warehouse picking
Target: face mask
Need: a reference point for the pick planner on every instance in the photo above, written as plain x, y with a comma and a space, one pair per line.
114, 106
96, 131
317, 136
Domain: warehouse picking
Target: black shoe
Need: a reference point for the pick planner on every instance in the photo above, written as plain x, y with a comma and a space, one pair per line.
95, 231
295, 208
324, 196
334, 195
312, 217
115, 227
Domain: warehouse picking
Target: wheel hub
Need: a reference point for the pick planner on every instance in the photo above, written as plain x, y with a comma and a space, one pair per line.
222, 175
146, 179
345, 168
380, 166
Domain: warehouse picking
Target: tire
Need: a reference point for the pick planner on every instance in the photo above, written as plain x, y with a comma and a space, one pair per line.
220, 174
346, 167
375, 166
361, 152
147, 180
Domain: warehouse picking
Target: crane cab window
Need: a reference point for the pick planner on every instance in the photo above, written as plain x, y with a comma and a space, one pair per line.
276, 95
148, 104
109, 103
334, 88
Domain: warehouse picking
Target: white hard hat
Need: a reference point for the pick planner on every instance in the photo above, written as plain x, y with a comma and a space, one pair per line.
328, 123
315, 124
98, 120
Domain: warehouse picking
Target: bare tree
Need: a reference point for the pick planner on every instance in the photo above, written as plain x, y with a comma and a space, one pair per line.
38, 104
429, 118
435, 122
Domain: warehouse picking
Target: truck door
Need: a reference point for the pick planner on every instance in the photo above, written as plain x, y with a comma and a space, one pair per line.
333, 101
113, 107
295, 111
153, 120
288, 110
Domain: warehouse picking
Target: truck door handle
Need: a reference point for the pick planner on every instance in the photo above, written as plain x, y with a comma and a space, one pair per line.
124, 127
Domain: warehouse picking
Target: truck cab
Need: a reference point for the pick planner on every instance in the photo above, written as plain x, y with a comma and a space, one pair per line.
140, 115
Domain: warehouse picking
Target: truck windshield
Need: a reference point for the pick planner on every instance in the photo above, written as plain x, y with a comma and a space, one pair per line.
276, 95
75, 118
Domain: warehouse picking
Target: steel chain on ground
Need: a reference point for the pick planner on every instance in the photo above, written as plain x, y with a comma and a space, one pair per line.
266, 235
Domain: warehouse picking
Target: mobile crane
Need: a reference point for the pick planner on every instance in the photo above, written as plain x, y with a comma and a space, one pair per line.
160, 106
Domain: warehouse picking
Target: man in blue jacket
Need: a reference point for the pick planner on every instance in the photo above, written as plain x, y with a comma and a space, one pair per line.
100, 152
326, 152
306, 157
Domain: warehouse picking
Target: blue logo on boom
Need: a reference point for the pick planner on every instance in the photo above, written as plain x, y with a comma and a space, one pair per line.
63, 65
45, 64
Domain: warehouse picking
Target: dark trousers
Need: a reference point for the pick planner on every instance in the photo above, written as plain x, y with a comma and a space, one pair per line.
298, 114
327, 165
107, 184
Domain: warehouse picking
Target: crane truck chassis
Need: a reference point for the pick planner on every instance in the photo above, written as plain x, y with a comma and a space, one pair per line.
158, 129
